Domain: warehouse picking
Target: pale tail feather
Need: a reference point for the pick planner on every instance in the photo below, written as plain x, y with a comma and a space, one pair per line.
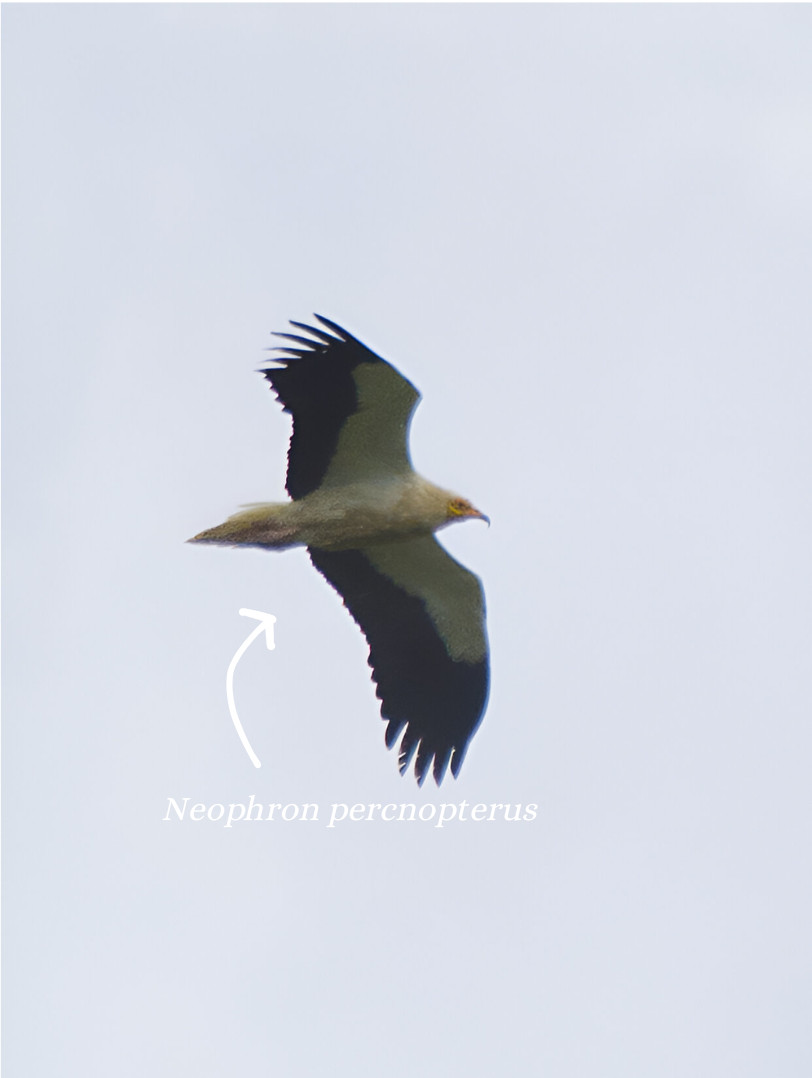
264, 524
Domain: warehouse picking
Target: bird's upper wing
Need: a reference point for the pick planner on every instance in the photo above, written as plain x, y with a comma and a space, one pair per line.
423, 615
350, 408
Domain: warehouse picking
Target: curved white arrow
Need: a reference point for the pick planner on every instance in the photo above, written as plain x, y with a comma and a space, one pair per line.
266, 624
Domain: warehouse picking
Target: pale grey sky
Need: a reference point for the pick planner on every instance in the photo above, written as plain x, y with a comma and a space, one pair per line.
583, 232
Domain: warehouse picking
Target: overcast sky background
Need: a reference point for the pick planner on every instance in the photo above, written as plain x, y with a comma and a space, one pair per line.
584, 233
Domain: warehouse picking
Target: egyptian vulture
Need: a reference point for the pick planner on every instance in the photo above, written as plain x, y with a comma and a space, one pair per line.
367, 520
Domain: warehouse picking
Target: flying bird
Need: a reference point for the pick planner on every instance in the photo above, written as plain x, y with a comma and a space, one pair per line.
368, 522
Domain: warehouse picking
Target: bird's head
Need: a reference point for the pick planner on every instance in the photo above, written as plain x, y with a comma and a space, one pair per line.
461, 508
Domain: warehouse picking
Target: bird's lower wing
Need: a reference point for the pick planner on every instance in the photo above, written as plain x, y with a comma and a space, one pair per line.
423, 615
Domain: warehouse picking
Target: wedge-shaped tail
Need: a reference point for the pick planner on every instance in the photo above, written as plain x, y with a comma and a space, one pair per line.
266, 524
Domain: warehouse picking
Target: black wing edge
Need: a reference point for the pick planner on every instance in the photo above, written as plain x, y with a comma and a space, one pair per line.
318, 339
318, 342
435, 702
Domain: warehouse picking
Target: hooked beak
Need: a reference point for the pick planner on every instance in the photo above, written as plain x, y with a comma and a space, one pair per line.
479, 516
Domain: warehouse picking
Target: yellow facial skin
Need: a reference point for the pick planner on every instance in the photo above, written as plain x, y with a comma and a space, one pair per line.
461, 507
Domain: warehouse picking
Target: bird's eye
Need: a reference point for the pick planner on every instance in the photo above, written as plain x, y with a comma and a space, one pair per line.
457, 507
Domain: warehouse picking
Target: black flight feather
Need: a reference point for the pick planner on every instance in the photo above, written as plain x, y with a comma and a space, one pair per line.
317, 388
437, 699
